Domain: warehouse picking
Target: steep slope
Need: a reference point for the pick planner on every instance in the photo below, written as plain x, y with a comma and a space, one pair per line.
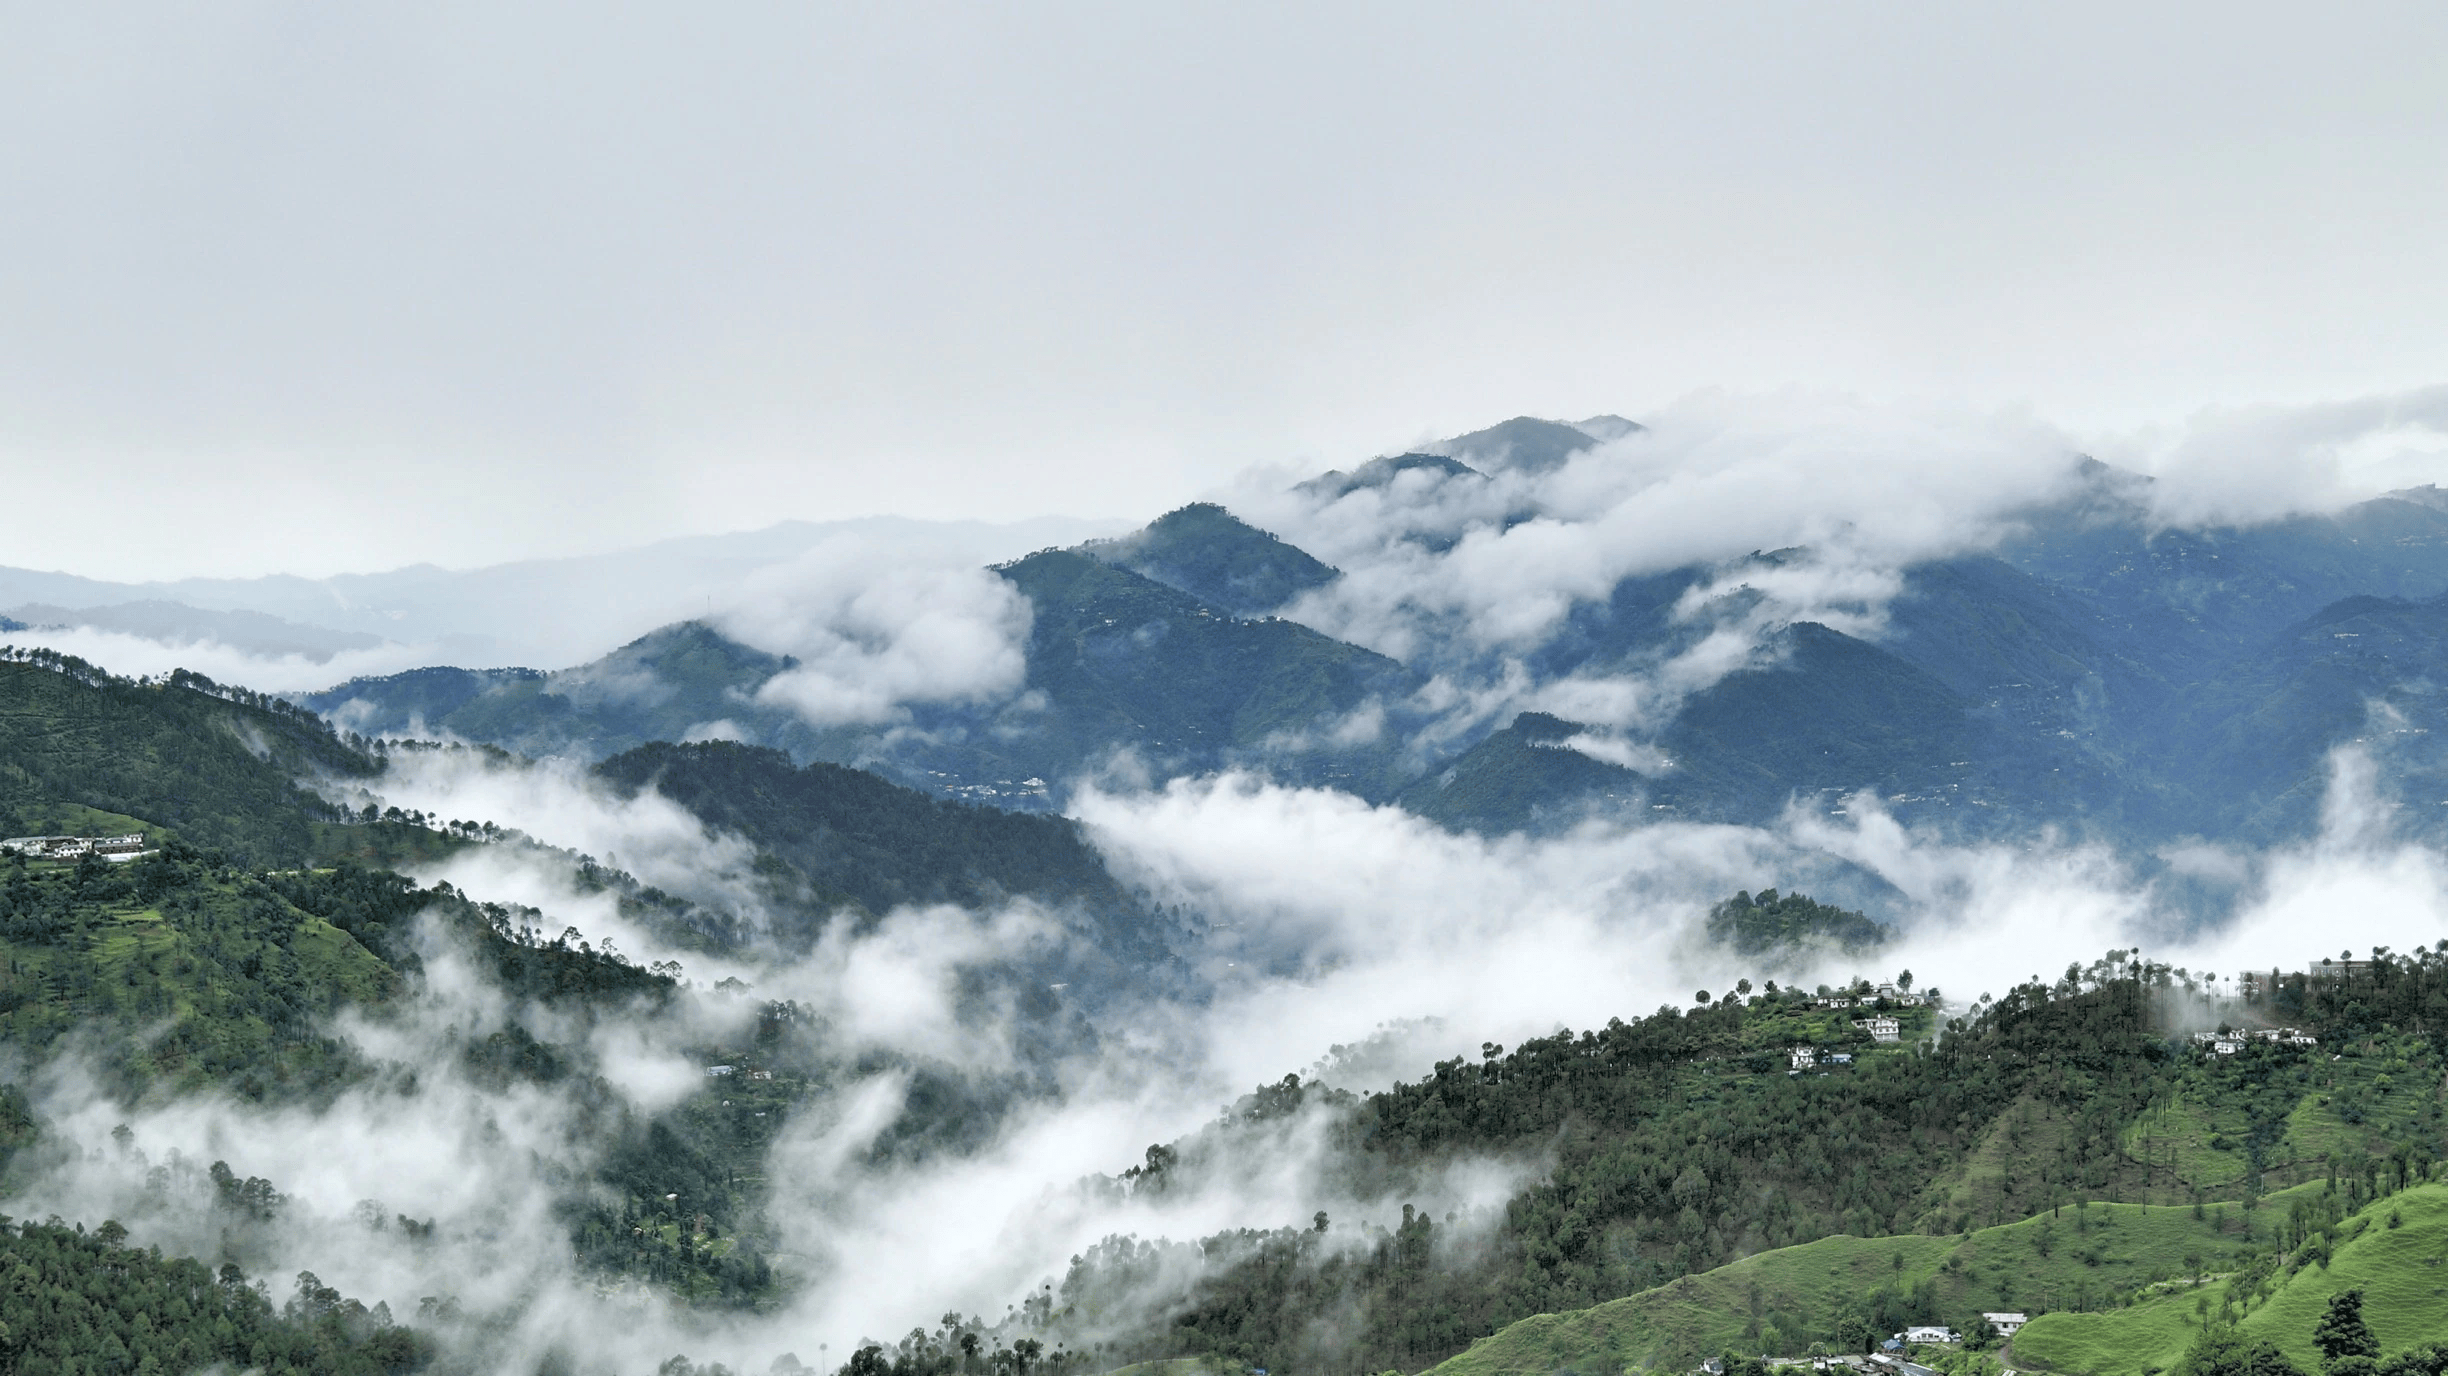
2390, 1250
2187, 602
1832, 714
2254, 738
660, 687
1125, 662
1523, 778
177, 754
1850, 1292
1214, 556
1117, 663
415, 703
853, 833
1383, 472
1828, 715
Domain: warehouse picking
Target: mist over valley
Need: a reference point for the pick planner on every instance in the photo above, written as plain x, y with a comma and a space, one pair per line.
1223, 690
1269, 936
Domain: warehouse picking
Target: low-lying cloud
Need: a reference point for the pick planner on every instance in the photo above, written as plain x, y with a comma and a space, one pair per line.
871, 633
136, 656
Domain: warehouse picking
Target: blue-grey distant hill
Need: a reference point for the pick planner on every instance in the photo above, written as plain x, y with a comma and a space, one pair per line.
2098, 672
1212, 555
1123, 671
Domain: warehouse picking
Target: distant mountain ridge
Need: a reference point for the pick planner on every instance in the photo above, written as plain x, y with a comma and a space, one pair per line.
1117, 662
2096, 671
1214, 556
538, 611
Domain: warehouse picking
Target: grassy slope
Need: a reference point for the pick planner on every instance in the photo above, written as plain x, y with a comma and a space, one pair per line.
2382, 1090
2031, 1263
2399, 1270
1704, 1312
221, 974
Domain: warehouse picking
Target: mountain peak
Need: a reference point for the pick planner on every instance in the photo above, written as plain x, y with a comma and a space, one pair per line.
1216, 557
1528, 444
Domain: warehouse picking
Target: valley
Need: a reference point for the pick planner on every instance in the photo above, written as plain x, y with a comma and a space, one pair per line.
685, 1000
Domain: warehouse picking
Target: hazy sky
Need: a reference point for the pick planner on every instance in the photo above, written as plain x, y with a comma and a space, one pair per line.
345, 286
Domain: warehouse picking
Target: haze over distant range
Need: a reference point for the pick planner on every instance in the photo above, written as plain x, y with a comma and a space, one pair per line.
550, 612
342, 290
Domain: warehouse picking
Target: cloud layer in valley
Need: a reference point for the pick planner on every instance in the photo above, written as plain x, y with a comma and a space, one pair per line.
1329, 922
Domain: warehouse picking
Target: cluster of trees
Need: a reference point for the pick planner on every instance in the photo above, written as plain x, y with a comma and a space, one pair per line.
2355, 997
2345, 1341
73, 1301
1773, 921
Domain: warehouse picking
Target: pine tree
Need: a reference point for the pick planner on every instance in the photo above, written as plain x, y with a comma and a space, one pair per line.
2342, 1332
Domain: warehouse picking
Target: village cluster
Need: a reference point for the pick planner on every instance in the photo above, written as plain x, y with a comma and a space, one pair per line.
2226, 1043
1895, 995
112, 848
1889, 1359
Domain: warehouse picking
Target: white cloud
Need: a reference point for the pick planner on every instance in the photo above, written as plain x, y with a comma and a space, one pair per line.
872, 632
2248, 464
133, 656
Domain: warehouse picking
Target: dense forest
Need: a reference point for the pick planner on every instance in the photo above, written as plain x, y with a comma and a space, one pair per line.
1774, 921
74, 1301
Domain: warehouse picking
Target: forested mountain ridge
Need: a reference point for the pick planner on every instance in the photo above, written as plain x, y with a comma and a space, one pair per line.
879, 845
2097, 670
1116, 661
219, 766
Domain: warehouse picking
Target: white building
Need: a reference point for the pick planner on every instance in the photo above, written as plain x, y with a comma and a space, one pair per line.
1881, 1029
2006, 1324
2229, 1043
1926, 1333
1802, 1058
114, 848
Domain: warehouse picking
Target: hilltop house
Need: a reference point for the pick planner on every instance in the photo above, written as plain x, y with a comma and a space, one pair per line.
1927, 1333
1881, 1028
2006, 1324
1802, 1058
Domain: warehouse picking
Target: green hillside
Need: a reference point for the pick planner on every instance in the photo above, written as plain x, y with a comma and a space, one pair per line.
2392, 1249
217, 766
1123, 659
2021, 1161
1774, 921
2116, 1289
1116, 662
79, 1300
179, 974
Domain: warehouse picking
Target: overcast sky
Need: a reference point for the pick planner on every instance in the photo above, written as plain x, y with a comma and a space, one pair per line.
330, 287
